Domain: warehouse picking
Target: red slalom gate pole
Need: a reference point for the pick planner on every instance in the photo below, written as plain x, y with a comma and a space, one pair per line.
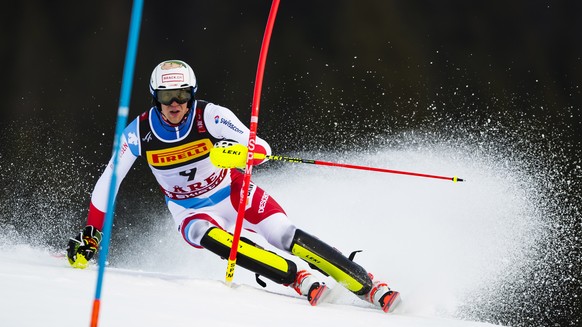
335, 164
252, 139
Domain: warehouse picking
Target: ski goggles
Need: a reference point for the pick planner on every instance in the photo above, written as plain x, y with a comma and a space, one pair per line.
181, 96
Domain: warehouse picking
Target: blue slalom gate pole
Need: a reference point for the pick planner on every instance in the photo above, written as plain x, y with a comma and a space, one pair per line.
122, 112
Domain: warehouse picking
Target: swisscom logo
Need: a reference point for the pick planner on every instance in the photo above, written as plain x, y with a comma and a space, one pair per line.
228, 123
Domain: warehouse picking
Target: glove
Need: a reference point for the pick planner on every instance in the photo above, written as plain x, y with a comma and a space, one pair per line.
83, 247
227, 154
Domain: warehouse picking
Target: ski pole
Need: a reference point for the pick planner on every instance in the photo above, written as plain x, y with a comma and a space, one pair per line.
251, 145
122, 112
334, 164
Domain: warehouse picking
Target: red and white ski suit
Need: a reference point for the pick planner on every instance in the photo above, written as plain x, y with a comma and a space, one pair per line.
198, 194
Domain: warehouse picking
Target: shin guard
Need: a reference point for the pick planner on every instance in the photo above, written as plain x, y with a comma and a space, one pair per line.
332, 262
251, 257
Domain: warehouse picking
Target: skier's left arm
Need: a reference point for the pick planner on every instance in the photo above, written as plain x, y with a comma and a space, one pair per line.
223, 124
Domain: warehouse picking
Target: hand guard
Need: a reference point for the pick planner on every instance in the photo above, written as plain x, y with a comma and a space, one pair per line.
227, 154
83, 247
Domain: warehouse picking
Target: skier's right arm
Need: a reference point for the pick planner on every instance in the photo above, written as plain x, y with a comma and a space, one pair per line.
82, 247
100, 193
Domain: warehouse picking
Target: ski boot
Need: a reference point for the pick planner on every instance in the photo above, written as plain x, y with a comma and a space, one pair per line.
381, 295
306, 284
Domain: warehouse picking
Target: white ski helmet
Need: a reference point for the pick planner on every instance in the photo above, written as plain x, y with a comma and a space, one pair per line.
172, 74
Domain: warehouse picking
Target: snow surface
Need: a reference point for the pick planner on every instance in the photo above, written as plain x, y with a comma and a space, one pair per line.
435, 241
40, 290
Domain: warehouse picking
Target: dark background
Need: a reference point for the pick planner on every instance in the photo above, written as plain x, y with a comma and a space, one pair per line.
339, 74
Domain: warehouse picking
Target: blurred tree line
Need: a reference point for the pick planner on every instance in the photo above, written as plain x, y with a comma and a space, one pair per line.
372, 65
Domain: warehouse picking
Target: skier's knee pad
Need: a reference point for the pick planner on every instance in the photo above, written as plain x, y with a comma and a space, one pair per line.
331, 262
251, 257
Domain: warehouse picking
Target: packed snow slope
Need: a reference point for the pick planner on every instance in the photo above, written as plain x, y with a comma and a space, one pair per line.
40, 290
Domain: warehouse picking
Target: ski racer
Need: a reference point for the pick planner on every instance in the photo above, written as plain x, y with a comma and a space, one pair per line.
194, 148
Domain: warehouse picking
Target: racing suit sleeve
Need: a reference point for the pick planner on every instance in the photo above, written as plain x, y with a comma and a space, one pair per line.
99, 197
222, 123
